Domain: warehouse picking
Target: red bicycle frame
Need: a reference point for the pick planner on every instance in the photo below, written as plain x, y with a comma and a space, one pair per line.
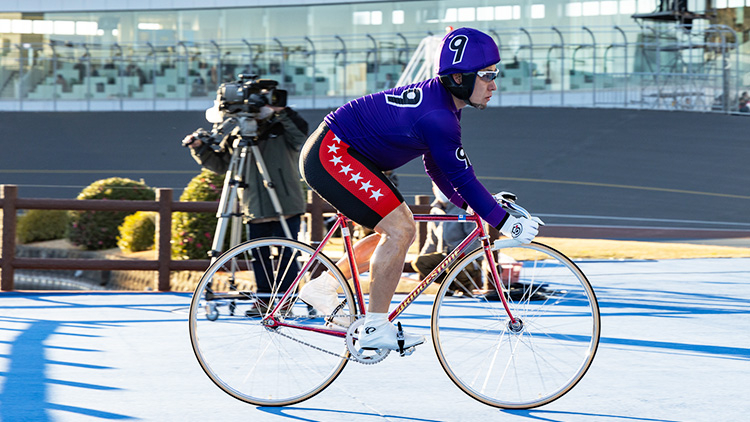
343, 223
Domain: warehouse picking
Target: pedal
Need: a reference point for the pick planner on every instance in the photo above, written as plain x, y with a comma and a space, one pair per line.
408, 352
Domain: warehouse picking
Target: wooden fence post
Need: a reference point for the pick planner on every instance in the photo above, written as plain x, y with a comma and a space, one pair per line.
422, 226
163, 238
316, 218
10, 194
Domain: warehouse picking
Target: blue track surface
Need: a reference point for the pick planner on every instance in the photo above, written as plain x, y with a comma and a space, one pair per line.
675, 347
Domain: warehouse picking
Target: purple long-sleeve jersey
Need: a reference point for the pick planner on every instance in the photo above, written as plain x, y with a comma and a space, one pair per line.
393, 127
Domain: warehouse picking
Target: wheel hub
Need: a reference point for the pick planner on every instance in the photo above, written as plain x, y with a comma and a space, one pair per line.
516, 327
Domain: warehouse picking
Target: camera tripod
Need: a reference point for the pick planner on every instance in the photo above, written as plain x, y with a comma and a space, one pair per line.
244, 144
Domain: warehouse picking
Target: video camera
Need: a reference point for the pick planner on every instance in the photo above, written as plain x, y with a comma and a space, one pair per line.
248, 94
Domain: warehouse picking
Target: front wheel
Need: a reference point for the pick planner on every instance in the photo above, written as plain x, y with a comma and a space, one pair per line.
255, 348
538, 358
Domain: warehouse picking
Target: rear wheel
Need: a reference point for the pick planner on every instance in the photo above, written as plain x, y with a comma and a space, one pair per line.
248, 354
537, 359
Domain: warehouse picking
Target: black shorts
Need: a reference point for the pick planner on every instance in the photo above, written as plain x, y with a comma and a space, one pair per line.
346, 179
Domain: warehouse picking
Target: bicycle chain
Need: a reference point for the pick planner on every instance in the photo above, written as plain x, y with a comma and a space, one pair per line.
349, 358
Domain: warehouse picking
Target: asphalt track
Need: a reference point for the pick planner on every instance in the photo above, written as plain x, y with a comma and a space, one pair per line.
591, 172
674, 347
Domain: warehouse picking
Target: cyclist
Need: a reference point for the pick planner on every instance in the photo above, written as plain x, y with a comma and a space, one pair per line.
344, 161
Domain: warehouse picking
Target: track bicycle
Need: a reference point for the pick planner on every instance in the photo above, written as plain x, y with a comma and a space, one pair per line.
521, 333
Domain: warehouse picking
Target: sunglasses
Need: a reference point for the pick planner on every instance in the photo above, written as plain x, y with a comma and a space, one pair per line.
488, 75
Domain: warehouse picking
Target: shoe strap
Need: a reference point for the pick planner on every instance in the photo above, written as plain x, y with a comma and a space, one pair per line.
400, 338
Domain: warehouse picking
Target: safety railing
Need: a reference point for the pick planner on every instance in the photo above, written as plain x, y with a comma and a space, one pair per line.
699, 68
164, 205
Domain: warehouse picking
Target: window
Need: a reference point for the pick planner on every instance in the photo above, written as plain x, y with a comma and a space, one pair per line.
537, 11
466, 14
627, 7
21, 26
573, 9
487, 13
361, 18
451, 15
86, 28
145, 26
65, 27
48, 27
590, 8
44, 27
646, 6
608, 7
397, 17
504, 13
374, 17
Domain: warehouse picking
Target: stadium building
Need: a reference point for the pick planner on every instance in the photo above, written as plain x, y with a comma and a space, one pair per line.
80, 55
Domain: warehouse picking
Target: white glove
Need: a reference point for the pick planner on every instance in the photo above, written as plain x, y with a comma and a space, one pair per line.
522, 229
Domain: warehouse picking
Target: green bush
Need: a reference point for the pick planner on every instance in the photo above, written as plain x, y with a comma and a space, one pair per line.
137, 232
192, 233
95, 230
38, 225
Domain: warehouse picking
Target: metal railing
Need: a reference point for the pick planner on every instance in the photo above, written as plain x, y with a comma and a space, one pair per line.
701, 68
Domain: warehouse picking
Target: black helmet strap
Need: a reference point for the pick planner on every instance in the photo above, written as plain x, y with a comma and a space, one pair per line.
463, 90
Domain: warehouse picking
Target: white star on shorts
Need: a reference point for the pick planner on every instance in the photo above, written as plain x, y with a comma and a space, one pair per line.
355, 177
376, 194
366, 186
333, 149
346, 169
336, 160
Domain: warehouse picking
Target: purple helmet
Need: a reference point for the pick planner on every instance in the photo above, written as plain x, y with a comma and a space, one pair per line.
465, 51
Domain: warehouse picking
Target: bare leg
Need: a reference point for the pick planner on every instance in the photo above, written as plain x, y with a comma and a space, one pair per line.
386, 251
397, 232
363, 250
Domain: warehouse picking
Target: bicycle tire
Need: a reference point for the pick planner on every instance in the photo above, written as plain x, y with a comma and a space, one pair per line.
511, 367
252, 362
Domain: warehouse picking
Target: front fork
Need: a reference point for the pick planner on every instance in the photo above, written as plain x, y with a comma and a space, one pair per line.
498, 245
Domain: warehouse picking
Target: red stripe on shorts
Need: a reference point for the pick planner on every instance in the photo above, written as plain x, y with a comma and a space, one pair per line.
355, 177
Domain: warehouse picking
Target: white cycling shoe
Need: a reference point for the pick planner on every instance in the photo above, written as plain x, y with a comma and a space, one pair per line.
321, 294
384, 335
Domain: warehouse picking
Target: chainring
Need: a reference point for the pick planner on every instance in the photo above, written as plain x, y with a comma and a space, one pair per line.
367, 357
